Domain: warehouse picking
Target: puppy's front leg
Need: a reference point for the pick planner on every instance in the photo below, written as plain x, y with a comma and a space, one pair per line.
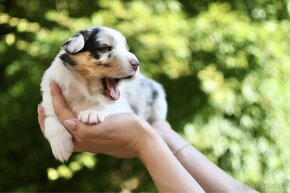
59, 138
92, 116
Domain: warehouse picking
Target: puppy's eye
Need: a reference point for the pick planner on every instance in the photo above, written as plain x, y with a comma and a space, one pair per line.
105, 48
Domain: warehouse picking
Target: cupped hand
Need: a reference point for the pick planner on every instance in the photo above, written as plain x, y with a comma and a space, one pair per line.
120, 135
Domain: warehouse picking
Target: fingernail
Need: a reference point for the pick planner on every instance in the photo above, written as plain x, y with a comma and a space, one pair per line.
71, 125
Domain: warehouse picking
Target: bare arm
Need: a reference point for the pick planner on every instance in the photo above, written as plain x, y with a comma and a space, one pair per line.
126, 136
167, 173
207, 174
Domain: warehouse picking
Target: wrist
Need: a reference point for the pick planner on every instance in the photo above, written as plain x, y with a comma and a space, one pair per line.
148, 144
173, 140
147, 137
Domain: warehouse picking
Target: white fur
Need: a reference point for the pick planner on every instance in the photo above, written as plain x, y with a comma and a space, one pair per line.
93, 108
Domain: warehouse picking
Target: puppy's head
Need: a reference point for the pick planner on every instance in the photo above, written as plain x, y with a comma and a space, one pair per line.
100, 54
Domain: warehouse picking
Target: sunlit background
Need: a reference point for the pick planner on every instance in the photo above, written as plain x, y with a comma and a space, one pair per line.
224, 65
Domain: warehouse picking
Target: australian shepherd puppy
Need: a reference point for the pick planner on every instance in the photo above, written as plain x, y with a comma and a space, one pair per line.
98, 77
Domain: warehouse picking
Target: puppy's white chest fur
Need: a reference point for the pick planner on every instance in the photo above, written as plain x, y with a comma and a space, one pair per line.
98, 77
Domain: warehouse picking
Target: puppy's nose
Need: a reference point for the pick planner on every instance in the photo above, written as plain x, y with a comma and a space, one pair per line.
134, 63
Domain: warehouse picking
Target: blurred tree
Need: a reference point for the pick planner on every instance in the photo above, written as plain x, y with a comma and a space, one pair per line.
257, 10
224, 65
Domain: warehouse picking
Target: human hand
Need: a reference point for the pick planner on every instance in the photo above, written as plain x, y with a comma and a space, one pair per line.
120, 135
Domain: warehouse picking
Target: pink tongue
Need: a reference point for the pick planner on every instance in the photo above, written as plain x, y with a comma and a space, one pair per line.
112, 89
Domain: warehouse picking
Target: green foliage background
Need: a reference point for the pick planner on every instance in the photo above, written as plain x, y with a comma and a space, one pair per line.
224, 65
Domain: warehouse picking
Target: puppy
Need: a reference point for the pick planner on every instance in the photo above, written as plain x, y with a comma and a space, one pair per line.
98, 77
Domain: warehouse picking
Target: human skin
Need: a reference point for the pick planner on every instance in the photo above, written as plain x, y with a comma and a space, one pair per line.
210, 177
125, 136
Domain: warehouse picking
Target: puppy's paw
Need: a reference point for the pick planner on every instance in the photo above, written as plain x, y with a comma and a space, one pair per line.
62, 146
91, 117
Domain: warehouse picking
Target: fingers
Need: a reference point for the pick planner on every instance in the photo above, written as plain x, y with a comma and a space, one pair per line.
82, 131
71, 125
62, 111
101, 130
41, 117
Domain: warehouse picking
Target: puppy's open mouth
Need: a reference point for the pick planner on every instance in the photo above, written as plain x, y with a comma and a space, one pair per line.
111, 88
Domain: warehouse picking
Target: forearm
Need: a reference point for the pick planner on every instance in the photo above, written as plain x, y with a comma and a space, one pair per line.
166, 171
207, 174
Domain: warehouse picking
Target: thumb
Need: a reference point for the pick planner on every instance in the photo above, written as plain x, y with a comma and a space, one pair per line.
71, 125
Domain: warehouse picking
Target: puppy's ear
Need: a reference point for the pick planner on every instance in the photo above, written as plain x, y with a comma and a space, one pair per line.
74, 44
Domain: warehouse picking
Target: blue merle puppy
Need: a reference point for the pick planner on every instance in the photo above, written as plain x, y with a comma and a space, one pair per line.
98, 77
